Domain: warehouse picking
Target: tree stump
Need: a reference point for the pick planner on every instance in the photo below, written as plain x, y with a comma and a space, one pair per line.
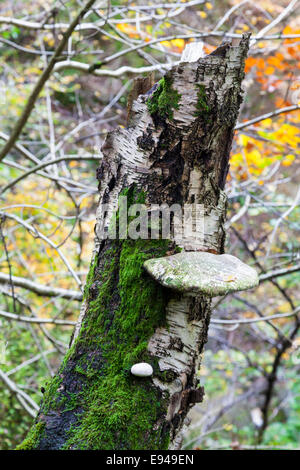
175, 150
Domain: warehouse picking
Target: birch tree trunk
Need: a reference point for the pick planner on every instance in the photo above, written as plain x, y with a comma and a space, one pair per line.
175, 150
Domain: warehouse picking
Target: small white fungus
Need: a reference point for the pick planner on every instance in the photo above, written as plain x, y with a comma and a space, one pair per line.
142, 369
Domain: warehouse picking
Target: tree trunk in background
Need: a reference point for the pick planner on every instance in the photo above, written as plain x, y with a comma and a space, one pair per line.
174, 150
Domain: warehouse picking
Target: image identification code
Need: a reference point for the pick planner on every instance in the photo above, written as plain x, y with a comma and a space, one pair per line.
153, 459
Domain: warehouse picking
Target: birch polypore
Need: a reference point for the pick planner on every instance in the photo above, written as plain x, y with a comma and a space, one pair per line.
175, 150
194, 275
202, 273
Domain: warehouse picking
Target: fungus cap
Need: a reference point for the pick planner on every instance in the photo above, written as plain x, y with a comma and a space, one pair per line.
142, 369
202, 273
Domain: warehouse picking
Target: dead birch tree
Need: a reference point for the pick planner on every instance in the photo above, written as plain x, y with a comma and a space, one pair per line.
148, 300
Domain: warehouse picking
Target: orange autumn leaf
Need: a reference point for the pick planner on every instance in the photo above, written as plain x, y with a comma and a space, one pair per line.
276, 62
289, 30
269, 70
260, 63
250, 62
208, 48
279, 56
293, 51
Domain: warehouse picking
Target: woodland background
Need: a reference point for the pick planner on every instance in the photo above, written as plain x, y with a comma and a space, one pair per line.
48, 198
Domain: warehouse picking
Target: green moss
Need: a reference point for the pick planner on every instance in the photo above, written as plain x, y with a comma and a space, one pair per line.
115, 409
202, 108
90, 277
51, 394
33, 437
164, 100
121, 409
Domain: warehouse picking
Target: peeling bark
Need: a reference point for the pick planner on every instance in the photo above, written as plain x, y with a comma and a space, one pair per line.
175, 150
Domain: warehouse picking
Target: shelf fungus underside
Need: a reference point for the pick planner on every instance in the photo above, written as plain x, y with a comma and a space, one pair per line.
202, 273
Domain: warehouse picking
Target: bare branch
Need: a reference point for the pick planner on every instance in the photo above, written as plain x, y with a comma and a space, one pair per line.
111, 73
13, 316
30, 361
278, 273
28, 404
41, 289
280, 219
288, 109
41, 82
36, 233
255, 320
275, 22
44, 165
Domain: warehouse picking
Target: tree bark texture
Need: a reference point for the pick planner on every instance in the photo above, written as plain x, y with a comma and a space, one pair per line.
175, 150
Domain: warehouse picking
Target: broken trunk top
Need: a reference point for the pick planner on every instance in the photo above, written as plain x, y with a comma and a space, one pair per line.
197, 273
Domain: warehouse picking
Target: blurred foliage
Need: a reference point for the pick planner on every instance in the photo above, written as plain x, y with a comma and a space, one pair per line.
223, 371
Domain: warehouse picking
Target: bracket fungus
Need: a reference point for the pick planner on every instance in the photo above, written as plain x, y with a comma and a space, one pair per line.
202, 273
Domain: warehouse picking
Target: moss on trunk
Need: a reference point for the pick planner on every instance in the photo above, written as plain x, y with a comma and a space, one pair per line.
94, 383
164, 99
202, 107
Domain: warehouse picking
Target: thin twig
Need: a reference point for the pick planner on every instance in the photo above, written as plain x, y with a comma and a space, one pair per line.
25, 319
41, 82
287, 109
41, 289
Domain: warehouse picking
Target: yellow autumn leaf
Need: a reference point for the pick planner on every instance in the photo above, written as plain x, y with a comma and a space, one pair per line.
266, 123
288, 160
33, 70
49, 40
174, 43
128, 29
227, 427
284, 307
180, 43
